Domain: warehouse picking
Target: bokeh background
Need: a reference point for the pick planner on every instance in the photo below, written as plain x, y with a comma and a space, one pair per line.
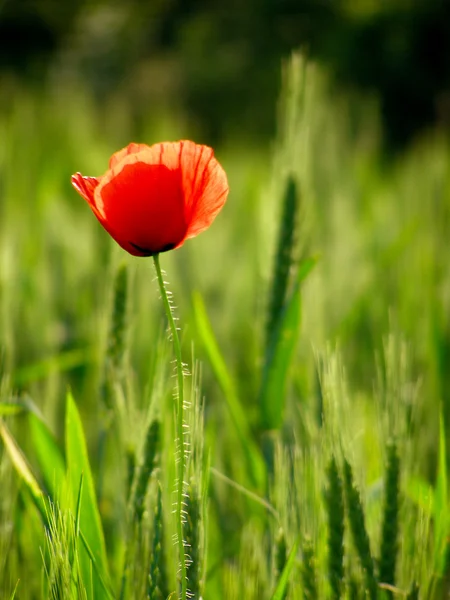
218, 64
350, 100
361, 122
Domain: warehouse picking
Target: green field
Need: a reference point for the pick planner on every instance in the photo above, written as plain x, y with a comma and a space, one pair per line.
314, 318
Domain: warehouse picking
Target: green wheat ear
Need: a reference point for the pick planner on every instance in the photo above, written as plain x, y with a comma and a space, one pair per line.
308, 570
335, 507
390, 527
358, 529
157, 588
149, 458
116, 337
283, 260
280, 558
192, 541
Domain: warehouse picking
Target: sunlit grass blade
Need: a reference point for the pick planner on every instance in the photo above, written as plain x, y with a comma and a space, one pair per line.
91, 528
253, 456
280, 352
283, 581
13, 595
8, 409
21, 466
48, 454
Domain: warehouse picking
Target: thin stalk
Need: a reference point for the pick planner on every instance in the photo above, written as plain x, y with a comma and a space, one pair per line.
179, 422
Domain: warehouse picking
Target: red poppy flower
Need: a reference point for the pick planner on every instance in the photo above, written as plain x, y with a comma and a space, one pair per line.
153, 198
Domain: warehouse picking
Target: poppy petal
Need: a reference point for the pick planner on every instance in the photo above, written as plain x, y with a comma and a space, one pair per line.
205, 186
85, 186
144, 202
132, 148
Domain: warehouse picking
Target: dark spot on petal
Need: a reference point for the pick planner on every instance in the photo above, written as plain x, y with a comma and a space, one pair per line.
147, 252
144, 251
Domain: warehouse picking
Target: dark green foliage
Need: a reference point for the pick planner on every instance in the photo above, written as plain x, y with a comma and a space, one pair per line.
192, 542
353, 589
308, 570
413, 593
358, 528
390, 529
157, 588
150, 453
130, 459
116, 337
283, 261
335, 507
280, 558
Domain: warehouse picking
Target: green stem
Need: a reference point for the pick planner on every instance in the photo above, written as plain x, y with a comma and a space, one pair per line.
179, 420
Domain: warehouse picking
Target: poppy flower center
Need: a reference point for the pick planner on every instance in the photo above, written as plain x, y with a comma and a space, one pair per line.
144, 204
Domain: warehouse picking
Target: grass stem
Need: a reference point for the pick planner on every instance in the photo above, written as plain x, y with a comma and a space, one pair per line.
179, 422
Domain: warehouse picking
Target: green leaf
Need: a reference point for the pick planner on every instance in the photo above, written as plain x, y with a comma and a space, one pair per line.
48, 455
280, 353
284, 579
11, 408
441, 519
78, 469
253, 456
63, 361
13, 595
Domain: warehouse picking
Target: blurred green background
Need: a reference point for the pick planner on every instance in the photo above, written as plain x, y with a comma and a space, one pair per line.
359, 121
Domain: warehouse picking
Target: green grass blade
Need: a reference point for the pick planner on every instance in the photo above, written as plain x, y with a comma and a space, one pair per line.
253, 456
90, 523
8, 409
48, 454
441, 515
280, 354
78, 508
282, 584
13, 595
20, 464
58, 363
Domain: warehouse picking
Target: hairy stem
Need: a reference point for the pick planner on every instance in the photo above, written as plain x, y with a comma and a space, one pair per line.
179, 423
